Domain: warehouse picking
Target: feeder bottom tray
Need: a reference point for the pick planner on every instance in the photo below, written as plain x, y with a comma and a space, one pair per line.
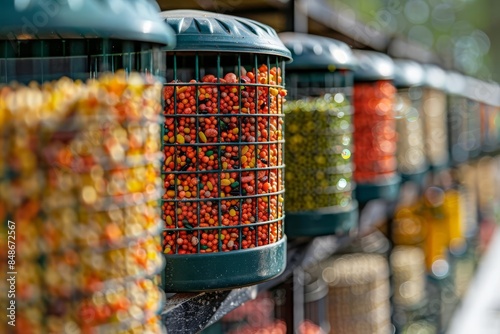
325, 221
224, 270
418, 177
387, 189
438, 167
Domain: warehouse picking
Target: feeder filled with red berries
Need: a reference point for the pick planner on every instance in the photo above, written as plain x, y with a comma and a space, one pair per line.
412, 161
223, 142
80, 88
375, 137
319, 131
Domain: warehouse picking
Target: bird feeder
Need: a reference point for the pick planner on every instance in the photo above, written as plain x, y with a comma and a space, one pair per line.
223, 141
434, 115
319, 129
79, 136
412, 163
375, 137
458, 143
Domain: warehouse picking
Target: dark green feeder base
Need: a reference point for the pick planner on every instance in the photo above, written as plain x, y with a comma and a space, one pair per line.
224, 270
320, 222
438, 168
417, 178
387, 190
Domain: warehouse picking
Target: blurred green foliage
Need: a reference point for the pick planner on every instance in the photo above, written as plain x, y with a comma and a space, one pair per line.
455, 29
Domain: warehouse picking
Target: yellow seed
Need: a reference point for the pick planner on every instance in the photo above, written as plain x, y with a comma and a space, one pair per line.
180, 139
244, 159
273, 91
235, 131
171, 140
234, 90
264, 199
222, 237
210, 185
171, 193
222, 194
225, 182
169, 160
203, 138
187, 130
169, 220
244, 150
232, 212
167, 250
236, 107
188, 194
181, 89
224, 165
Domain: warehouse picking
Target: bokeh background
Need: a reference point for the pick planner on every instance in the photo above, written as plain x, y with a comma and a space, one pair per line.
457, 34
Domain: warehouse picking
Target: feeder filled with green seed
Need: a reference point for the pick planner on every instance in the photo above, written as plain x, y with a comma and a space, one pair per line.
375, 137
408, 79
319, 133
434, 114
223, 143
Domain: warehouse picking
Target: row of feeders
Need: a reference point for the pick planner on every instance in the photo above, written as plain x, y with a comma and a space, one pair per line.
357, 124
356, 121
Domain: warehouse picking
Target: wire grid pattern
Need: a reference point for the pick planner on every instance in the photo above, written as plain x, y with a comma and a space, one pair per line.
220, 213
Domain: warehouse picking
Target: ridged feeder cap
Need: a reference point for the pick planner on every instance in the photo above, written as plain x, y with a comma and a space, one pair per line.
455, 83
311, 52
435, 77
408, 73
206, 31
372, 66
129, 20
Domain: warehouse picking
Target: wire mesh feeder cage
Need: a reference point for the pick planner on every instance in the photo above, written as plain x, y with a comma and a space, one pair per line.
375, 138
434, 113
79, 137
458, 145
412, 162
319, 130
224, 147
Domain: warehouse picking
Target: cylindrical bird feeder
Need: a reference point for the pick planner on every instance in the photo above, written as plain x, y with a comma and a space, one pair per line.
375, 136
319, 129
223, 141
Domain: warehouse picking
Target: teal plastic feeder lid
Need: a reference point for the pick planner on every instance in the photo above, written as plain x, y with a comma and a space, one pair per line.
435, 77
205, 31
373, 66
130, 20
408, 73
480, 91
310, 52
455, 84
